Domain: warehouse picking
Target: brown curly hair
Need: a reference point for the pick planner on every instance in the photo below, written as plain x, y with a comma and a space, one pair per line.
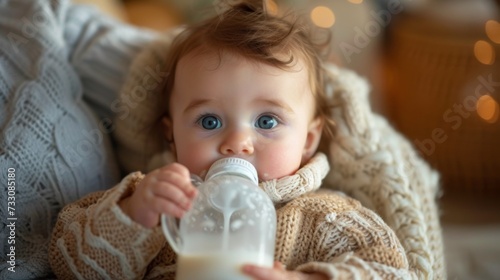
246, 29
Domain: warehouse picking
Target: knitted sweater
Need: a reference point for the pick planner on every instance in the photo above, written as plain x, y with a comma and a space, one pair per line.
55, 60
316, 231
370, 161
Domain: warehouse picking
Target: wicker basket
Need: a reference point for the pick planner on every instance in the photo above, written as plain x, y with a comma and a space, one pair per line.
433, 74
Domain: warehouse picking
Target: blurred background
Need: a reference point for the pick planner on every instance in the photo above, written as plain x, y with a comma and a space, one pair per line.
435, 75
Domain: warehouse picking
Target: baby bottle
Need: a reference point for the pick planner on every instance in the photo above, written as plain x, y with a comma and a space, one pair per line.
232, 222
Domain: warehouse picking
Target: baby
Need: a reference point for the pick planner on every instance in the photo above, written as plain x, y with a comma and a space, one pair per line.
249, 85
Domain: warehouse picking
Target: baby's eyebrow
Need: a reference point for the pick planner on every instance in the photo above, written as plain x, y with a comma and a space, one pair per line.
276, 103
197, 103
267, 101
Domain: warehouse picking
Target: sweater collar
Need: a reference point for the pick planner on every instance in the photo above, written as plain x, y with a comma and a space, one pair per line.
306, 179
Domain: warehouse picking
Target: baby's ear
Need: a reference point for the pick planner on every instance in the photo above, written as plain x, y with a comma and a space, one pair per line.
168, 131
314, 132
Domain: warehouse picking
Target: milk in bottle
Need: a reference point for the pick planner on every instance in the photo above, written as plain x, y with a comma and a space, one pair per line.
232, 222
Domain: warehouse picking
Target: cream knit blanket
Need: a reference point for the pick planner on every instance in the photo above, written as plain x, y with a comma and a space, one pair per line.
369, 160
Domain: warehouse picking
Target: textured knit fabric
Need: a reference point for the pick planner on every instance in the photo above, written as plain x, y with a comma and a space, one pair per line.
316, 231
373, 163
370, 161
53, 56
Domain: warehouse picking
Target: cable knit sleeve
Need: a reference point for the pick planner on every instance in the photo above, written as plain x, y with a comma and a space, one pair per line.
94, 239
335, 235
349, 266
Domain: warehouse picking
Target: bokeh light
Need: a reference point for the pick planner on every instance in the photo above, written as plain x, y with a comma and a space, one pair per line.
356, 1
323, 17
484, 52
272, 7
488, 109
493, 30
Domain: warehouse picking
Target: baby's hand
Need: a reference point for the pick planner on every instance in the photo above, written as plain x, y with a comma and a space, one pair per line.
278, 272
165, 190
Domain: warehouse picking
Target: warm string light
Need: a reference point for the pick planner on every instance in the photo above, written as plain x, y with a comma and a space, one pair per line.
483, 50
487, 107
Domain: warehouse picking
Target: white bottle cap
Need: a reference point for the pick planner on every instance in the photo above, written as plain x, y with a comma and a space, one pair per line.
233, 166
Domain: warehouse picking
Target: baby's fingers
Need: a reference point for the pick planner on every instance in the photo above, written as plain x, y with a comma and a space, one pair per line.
264, 273
167, 207
172, 194
177, 175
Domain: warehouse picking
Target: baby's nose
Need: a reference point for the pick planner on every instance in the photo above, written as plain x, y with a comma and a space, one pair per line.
237, 143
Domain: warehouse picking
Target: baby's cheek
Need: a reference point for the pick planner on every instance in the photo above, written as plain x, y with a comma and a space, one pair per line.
197, 160
265, 176
278, 165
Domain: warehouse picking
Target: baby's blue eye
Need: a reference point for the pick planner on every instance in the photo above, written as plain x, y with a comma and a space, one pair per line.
266, 122
210, 122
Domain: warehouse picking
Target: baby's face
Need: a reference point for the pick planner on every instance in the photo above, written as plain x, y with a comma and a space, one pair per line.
234, 107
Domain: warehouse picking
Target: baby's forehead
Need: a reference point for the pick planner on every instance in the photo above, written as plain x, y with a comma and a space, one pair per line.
210, 59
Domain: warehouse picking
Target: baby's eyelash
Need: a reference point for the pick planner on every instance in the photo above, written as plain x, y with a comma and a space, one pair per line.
280, 120
200, 117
